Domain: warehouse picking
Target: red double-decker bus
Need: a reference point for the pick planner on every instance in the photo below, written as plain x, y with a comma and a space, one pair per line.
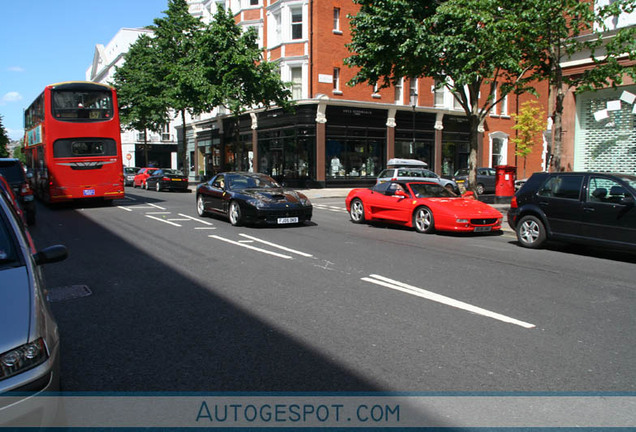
72, 143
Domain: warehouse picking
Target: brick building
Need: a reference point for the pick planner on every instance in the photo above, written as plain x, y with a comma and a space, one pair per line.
338, 135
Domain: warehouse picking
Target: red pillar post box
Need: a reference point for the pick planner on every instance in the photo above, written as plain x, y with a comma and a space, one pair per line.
505, 183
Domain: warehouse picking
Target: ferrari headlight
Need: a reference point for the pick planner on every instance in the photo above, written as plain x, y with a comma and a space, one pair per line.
462, 220
22, 358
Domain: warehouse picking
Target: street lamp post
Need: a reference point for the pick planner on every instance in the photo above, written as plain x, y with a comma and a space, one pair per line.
413, 104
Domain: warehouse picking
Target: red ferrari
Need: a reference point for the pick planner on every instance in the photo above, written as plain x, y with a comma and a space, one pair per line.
424, 206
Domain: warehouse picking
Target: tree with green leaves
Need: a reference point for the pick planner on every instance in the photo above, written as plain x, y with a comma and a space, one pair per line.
175, 41
468, 46
529, 125
233, 73
561, 30
140, 91
4, 140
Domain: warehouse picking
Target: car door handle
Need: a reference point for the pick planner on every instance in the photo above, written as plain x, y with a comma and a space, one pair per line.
588, 209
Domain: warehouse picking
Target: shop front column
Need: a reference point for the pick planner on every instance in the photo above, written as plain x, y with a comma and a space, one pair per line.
390, 134
439, 128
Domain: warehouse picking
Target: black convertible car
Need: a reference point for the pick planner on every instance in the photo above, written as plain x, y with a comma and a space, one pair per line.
245, 197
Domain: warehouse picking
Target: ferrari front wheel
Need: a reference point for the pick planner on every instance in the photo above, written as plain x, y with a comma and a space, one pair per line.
201, 207
356, 211
423, 221
234, 214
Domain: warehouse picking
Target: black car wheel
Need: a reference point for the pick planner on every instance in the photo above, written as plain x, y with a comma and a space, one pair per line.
531, 232
480, 189
423, 221
356, 211
201, 207
158, 187
234, 214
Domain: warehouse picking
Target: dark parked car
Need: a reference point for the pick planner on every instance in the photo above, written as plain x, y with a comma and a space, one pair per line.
13, 172
584, 207
485, 179
29, 339
167, 179
245, 197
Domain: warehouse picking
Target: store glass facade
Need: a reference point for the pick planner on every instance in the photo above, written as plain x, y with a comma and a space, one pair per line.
455, 144
287, 145
355, 145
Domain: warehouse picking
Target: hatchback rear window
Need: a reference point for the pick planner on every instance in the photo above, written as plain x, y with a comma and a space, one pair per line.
12, 172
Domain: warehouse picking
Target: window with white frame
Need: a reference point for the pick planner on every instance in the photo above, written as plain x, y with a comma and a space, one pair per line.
413, 91
275, 29
498, 149
297, 82
254, 2
399, 92
336, 80
336, 19
296, 23
440, 93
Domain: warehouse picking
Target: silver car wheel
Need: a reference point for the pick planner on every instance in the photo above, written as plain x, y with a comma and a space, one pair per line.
235, 213
423, 220
357, 211
531, 233
200, 206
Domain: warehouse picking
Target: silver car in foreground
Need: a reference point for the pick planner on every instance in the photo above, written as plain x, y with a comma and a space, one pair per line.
29, 340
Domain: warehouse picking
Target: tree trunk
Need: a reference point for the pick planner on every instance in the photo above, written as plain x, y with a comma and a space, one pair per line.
558, 129
146, 147
474, 122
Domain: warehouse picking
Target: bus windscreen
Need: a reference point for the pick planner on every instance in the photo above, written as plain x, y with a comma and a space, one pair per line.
81, 105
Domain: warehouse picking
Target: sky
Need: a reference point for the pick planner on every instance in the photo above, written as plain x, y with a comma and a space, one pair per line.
48, 41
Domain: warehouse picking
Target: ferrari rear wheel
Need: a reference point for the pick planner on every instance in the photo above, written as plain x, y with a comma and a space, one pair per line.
234, 213
356, 211
423, 221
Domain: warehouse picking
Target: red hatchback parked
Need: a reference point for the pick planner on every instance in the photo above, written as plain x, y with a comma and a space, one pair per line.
142, 175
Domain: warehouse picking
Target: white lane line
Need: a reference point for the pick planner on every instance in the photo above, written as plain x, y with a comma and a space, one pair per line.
196, 219
157, 213
204, 228
276, 246
162, 220
124, 208
156, 206
251, 247
399, 286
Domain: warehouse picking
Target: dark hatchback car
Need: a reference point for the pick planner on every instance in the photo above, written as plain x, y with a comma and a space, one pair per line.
245, 197
13, 171
584, 207
485, 179
167, 179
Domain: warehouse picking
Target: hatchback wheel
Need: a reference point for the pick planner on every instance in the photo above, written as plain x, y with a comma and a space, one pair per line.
480, 189
356, 212
423, 221
236, 218
531, 232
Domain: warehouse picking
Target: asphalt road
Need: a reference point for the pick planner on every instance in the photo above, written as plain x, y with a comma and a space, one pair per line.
182, 303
